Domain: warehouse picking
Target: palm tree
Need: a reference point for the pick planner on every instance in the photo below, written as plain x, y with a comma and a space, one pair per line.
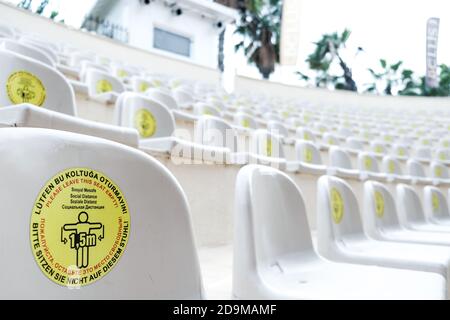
326, 51
260, 25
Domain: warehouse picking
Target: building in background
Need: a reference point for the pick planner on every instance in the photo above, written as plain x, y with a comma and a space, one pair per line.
187, 28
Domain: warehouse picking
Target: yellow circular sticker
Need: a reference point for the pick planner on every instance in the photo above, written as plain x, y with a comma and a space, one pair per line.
368, 163
379, 149
79, 228
401, 152
103, 86
306, 136
435, 202
122, 73
379, 204
438, 172
245, 123
269, 147
145, 123
337, 206
24, 87
143, 86
308, 156
391, 167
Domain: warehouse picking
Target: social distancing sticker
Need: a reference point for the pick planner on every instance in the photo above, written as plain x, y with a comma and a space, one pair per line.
246, 123
435, 202
24, 87
145, 123
269, 147
103, 86
379, 204
308, 157
337, 205
80, 227
143, 86
367, 163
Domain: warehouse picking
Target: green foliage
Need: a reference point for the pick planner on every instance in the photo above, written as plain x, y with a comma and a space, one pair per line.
326, 53
389, 77
418, 87
260, 28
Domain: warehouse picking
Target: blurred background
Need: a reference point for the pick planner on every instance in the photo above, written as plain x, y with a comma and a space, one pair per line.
369, 47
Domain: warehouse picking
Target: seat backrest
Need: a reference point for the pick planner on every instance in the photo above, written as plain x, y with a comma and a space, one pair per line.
354, 143
330, 138
42, 46
306, 151
27, 50
277, 127
214, 131
367, 162
409, 206
415, 168
149, 117
305, 134
378, 147
25, 80
269, 221
85, 214
245, 120
208, 109
27, 115
99, 82
87, 64
266, 144
379, 212
182, 96
439, 170
338, 215
162, 97
399, 150
339, 158
434, 203
442, 154
391, 165
422, 152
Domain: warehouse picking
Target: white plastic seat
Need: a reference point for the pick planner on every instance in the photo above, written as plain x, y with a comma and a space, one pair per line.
305, 134
244, 120
368, 165
265, 148
341, 236
416, 171
435, 206
25, 80
378, 147
216, 138
153, 121
400, 151
278, 128
340, 164
42, 46
274, 257
389, 225
391, 167
26, 50
354, 144
439, 173
443, 154
308, 158
422, 153
153, 258
102, 86
412, 213
184, 98
27, 115
201, 108
330, 139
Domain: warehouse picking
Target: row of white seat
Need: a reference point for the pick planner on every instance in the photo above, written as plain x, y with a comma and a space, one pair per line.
274, 255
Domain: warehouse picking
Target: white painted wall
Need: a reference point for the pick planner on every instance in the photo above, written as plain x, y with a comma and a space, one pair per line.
141, 19
157, 62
